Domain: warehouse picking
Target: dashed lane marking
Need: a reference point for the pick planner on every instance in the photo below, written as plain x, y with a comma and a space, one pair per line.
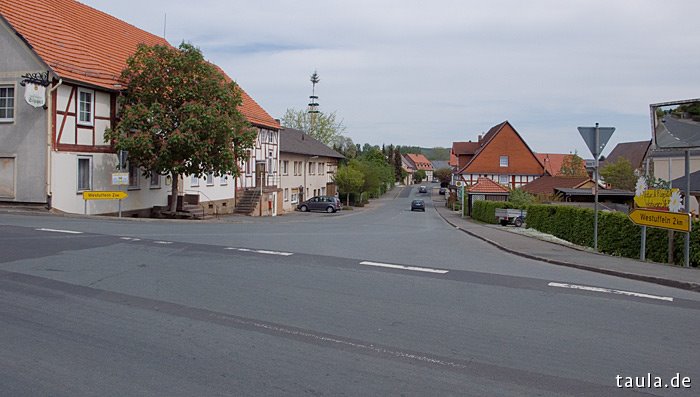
266, 252
59, 231
402, 267
610, 291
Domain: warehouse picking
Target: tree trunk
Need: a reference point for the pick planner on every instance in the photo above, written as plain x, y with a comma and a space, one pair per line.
347, 199
173, 193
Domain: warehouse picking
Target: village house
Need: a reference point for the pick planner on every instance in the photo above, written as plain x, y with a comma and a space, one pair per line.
420, 163
66, 60
307, 168
500, 155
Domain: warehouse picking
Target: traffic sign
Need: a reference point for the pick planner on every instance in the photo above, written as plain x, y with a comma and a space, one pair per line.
120, 178
104, 195
588, 135
660, 219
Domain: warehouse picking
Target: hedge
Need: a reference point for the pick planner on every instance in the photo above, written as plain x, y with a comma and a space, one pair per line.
485, 211
617, 235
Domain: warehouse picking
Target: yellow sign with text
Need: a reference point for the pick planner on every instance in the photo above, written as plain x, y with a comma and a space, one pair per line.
104, 195
655, 198
664, 220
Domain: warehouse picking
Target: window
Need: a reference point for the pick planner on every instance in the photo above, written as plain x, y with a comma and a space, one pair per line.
271, 137
504, 161
86, 106
210, 179
194, 181
286, 194
270, 168
321, 168
223, 180
503, 179
84, 173
155, 180
312, 168
133, 176
7, 103
285, 167
295, 196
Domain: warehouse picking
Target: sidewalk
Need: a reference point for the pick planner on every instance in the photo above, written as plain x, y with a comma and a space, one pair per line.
533, 248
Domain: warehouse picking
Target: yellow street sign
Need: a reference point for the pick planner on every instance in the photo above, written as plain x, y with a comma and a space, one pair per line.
655, 198
664, 220
104, 195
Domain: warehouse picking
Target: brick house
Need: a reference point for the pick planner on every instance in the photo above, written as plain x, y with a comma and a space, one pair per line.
501, 156
50, 154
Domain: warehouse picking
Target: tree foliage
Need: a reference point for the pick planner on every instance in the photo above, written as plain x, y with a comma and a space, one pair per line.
620, 174
179, 115
573, 165
419, 176
322, 126
444, 175
349, 180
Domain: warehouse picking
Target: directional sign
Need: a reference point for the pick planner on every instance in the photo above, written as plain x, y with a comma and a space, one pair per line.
662, 220
588, 135
104, 195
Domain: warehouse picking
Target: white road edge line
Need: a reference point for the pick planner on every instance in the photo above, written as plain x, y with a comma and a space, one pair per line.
402, 267
59, 231
610, 291
162, 242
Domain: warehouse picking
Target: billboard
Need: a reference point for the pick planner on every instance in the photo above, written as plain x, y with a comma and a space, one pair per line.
676, 125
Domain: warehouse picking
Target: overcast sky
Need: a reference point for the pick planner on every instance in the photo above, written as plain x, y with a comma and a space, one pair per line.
428, 73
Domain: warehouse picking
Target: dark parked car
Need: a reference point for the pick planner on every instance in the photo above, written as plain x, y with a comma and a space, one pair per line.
422, 189
442, 191
418, 205
320, 203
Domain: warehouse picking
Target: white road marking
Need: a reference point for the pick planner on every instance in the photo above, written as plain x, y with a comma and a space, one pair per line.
162, 242
611, 291
130, 238
266, 252
59, 231
402, 267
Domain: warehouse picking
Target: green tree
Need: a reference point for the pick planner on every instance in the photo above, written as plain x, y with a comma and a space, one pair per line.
179, 115
620, 174
322, 126
573, 165
349, 180
444, 175
398, 165
419, 176
519, 198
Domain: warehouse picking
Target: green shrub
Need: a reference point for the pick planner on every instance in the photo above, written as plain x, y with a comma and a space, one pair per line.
485, 211
617, 235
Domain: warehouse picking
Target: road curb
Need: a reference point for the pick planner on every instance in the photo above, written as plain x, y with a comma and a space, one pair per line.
688, 286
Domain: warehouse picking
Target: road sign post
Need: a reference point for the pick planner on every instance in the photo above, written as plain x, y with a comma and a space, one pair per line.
596, 138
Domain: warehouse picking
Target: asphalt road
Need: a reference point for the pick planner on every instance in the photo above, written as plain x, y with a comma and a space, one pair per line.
377, 301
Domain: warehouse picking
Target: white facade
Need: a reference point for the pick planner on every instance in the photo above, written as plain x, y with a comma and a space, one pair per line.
510, 181
304, 176
262, 162
81, 160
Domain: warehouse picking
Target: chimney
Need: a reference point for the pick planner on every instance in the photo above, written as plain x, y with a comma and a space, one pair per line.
480, 138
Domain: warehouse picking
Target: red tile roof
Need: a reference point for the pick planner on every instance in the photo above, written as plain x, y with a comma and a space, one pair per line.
462, 148
485, 185
552, 162
421, 162
80, 43
546, 184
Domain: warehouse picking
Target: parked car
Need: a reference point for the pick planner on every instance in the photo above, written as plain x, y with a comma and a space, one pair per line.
435, 180
422, 189
442, 191
320, 203
418, 205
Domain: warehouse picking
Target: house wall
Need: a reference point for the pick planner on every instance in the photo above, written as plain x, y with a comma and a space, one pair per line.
670, 168
314, 184
523, 166
73, 141
266, 149
23, 141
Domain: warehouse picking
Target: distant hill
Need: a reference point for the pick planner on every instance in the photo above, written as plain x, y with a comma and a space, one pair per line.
433, 154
